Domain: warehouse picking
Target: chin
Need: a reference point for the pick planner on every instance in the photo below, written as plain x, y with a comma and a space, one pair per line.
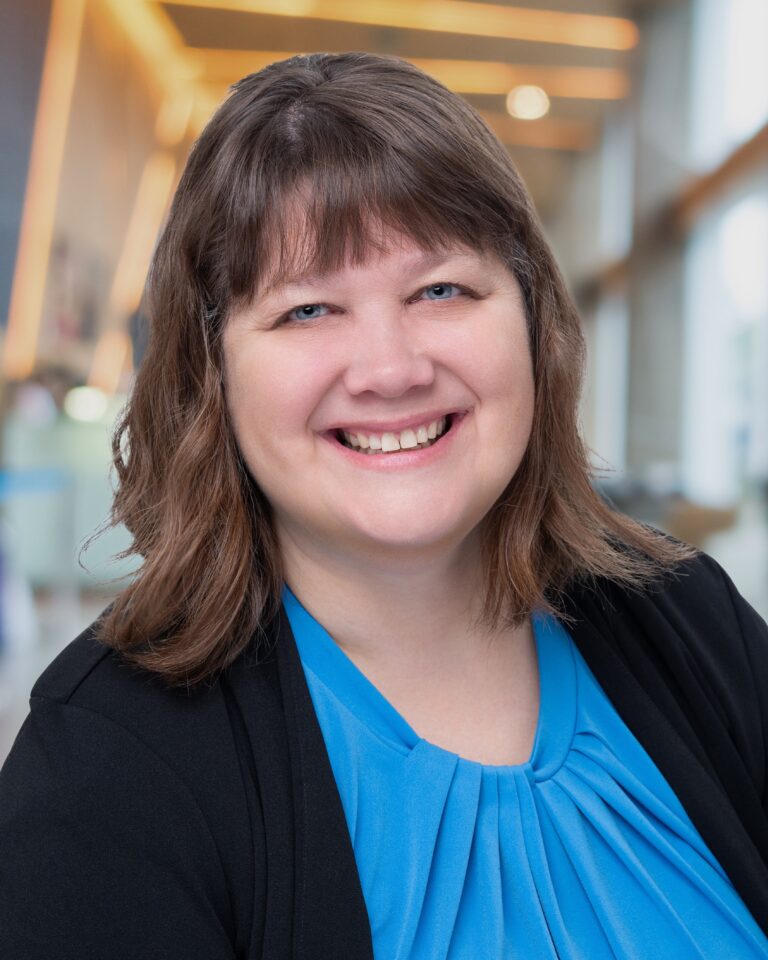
405, 538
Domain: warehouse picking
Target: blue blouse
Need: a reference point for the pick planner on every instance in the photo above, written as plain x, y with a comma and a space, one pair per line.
583, 851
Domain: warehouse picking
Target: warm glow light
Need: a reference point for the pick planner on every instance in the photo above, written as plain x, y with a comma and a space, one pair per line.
527, 102
37, 218
223, 67
148, 209
87, 404
449, 16
156, 38
109, 360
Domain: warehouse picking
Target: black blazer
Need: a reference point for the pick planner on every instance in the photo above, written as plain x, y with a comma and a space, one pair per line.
141, 823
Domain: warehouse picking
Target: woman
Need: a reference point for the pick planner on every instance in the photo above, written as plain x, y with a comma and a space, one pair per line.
351, 465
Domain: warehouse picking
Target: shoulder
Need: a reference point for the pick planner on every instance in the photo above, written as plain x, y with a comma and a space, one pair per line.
89, 675
696, 598
196, 735
112, 708
690, 631
701, 586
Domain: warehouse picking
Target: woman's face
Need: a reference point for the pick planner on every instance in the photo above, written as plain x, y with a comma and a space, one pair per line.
379, 356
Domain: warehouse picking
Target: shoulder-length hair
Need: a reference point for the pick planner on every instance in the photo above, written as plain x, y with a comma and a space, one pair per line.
362, 141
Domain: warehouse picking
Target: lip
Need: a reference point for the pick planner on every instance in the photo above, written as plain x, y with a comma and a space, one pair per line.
396, 426
403, 459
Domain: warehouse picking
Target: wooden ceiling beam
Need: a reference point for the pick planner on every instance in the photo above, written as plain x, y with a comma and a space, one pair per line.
704, 191
448, 16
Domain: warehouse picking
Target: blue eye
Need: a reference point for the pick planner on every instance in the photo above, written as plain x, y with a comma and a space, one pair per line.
442, 291
308, 311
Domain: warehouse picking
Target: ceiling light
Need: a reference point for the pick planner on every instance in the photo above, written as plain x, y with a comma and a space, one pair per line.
527, 102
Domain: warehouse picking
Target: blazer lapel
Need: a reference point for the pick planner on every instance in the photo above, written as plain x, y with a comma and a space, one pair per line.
330, 918
258, 723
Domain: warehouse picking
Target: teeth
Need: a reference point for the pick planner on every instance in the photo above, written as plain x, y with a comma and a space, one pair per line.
409, 439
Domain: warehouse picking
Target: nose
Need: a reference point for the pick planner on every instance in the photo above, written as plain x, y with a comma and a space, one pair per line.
387, 358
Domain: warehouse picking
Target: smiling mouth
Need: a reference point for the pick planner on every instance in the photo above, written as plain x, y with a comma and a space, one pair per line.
382, 444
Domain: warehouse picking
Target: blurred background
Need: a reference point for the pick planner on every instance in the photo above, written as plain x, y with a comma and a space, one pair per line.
640, 127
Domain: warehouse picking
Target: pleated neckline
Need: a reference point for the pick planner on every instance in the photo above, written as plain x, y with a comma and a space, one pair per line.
558, 694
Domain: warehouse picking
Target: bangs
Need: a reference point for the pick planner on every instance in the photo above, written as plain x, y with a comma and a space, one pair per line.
319, 229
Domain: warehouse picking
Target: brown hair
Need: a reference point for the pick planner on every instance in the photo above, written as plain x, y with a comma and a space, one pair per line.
364, 140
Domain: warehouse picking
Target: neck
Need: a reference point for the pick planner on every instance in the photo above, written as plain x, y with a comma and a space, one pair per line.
405, 613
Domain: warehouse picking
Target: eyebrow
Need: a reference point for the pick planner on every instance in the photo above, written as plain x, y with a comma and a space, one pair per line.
424, 261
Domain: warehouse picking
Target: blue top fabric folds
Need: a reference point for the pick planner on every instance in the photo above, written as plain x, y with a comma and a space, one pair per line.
583, 851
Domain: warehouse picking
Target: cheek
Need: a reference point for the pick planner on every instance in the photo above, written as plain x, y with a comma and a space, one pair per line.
270, 396
251, 388
498, 366
505, 386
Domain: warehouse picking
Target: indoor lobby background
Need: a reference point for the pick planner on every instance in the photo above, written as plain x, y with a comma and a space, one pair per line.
640, 127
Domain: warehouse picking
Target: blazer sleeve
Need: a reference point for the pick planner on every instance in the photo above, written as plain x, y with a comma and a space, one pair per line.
104, 852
